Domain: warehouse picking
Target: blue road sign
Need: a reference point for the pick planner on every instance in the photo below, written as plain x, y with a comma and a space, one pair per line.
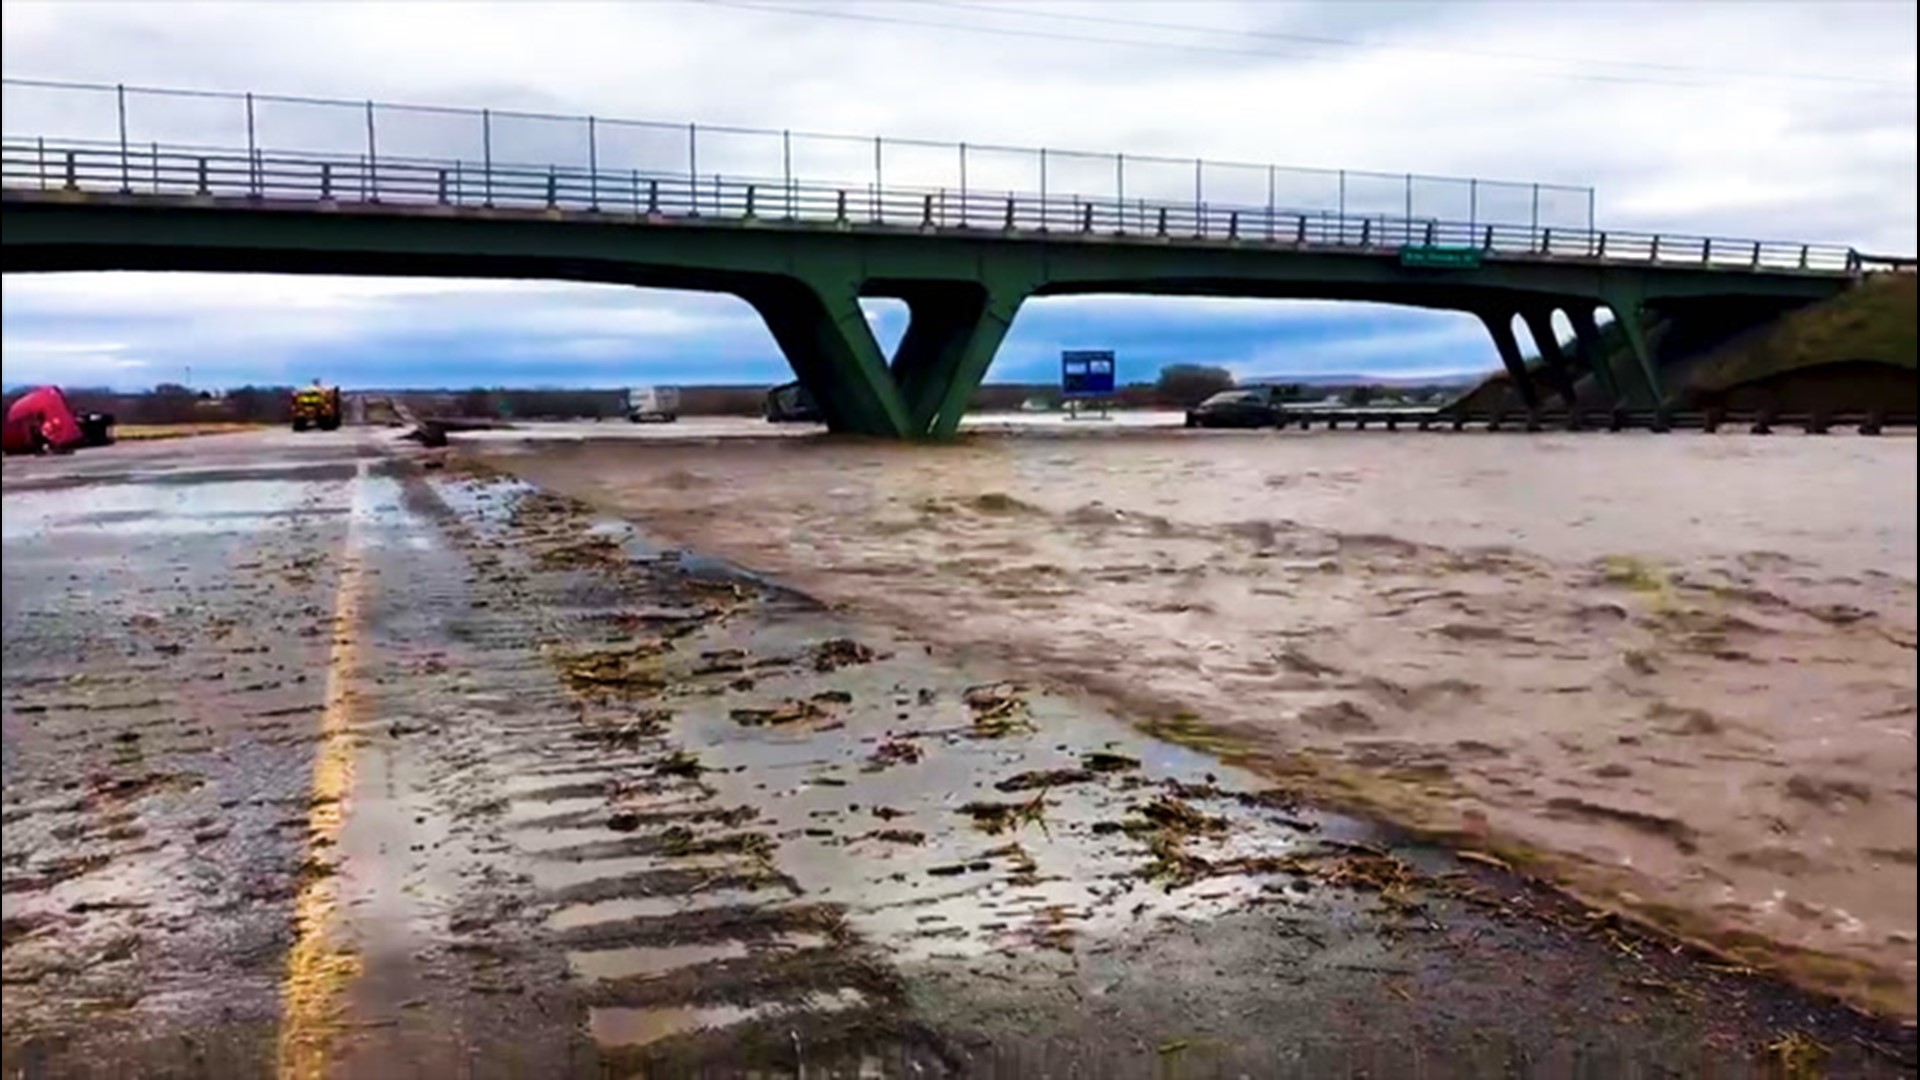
1086, 373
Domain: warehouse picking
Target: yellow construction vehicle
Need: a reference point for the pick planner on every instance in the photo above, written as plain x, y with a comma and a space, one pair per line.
316, 406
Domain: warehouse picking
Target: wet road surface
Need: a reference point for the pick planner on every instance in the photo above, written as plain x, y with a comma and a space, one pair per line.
324, 756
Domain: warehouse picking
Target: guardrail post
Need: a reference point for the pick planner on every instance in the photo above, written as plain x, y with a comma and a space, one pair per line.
750, 200
926, 213
786, 170
1233, 224
253, 156
1654, 254
1756, 255
443, 187
1199, 202
1366, 232
1706, 251
553, 188
1086, 218
1009, 213
1803, 247
1300, 229
840, 208
73, 184
326, 178
963, 185
1429, 237
373, 163
201, 172
126, 168
653, 197
1407, 229
1270, 203
1043, 189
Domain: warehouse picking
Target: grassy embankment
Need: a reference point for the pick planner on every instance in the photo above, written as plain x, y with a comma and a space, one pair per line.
1854, 352
151, 432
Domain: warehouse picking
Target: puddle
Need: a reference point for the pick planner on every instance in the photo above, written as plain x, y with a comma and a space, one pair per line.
638, 962
574, 916
560, 875
643, 1027
186, 509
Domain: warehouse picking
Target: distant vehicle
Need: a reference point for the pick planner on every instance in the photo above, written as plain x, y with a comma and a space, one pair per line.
790, 403
653, 404
42, 422
316, 406
1248, 407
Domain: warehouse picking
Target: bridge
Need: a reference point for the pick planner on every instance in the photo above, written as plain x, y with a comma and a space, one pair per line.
86, 193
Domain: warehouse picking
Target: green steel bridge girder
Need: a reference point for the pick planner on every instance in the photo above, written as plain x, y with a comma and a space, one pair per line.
962, 288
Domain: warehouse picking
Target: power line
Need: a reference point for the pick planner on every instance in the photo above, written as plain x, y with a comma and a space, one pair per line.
1085, 39
1388, 46
1541, 67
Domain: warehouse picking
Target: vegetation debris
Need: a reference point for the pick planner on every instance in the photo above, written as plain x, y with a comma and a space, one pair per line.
790, 711
892, 752
1044, 778
840, 652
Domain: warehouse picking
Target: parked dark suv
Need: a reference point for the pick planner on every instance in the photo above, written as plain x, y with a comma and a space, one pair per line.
790, 403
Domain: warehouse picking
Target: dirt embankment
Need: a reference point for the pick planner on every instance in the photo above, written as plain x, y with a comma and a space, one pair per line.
1854, 353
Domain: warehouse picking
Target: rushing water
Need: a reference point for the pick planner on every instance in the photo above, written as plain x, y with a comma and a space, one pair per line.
1682, 667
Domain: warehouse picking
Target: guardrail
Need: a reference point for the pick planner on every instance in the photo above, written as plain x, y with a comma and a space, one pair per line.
155, 169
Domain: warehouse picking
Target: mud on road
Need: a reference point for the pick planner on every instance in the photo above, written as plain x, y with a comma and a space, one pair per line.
331, 759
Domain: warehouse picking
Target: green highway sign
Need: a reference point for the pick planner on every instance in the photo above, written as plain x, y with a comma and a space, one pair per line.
1441, 258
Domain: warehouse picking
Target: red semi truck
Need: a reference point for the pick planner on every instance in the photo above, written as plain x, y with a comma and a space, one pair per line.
42, 422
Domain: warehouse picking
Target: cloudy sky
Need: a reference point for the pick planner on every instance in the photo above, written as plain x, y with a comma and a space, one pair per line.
1774, 120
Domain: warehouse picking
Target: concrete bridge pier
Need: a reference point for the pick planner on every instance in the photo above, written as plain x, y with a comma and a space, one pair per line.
953, 330
1499, 323
1539, 321
825, 337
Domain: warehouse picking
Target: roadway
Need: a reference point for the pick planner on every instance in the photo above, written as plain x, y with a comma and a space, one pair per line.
328, 755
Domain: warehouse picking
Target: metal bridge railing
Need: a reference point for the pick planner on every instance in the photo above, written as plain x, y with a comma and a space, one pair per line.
195, 171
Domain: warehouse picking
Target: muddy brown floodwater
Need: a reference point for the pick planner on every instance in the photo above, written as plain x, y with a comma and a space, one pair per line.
1674, 673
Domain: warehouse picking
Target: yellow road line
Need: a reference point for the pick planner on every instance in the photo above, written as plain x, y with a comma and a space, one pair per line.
319, 968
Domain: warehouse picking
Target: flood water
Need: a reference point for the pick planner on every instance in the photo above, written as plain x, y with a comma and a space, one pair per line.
1676, 672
